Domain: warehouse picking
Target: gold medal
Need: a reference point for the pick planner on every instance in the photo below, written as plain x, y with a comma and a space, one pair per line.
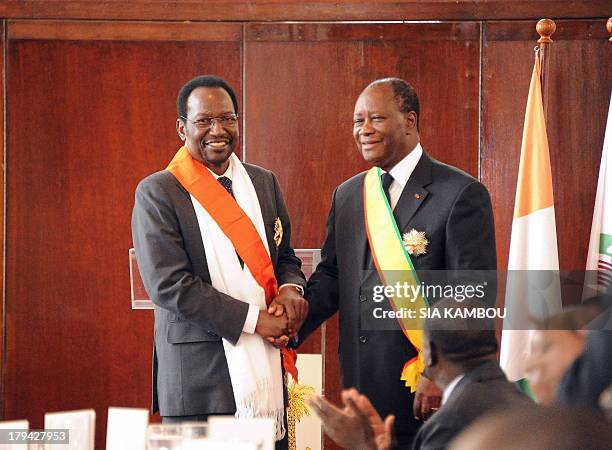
415, 242
278, 232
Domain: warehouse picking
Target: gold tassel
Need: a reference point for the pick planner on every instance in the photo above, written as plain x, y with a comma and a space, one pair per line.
298, 408
412, 372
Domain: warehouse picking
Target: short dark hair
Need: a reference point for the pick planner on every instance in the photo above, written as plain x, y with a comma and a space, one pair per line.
405, 95
592, 314
463, 340
202, 81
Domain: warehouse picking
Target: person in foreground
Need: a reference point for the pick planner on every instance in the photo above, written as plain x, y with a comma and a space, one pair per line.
555, 344
461, 358
591, 373
213, 243
444, 220
537, 428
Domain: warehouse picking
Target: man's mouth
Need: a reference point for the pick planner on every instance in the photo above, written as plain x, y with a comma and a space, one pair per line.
217, 143
368, 144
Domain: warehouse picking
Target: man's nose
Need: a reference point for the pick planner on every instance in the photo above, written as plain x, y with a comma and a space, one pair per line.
366, 128
216, 128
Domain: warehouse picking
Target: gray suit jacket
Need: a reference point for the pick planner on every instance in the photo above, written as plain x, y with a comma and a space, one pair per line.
454, 211
190, 374
480, 391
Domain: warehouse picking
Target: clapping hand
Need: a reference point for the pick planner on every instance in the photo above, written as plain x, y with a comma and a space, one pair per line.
358, 425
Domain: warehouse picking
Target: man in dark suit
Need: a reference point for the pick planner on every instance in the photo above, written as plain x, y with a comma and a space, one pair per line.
210, 300
450, 208
460, 357
591, 373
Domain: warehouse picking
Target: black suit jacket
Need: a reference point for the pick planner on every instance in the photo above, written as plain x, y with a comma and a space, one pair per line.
454, 211
190, 374
479, 392
590, 374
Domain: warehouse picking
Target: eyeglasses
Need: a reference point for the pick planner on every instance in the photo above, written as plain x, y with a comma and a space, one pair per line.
229, 120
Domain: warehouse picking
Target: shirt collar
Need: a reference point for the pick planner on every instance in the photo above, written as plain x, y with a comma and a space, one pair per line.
227, 173
451, 387
402, 170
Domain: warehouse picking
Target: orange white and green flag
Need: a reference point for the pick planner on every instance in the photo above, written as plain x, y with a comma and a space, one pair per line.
533, 241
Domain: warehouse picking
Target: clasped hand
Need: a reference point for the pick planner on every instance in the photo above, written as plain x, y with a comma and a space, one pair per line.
284, 317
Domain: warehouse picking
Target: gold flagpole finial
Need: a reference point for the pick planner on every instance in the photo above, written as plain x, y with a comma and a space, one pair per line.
545, 28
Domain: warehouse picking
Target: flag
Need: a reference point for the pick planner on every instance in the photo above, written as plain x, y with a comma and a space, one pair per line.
599, 259
533, 241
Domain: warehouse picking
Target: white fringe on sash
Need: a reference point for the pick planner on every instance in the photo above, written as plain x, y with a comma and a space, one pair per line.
251, 407
254, 365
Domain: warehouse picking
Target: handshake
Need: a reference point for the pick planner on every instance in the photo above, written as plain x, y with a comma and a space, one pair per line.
284, 317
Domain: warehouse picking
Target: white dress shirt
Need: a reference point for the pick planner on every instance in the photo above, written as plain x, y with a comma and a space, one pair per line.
451, 387
401, 173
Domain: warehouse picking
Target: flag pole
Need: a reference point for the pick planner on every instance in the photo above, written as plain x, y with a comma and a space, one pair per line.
545, 29
533, 240
598, 268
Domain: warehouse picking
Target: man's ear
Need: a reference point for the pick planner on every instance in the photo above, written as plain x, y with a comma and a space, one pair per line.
180, 129
410, 119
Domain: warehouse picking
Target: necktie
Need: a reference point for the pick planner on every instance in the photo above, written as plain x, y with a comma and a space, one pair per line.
227, 184
387, 179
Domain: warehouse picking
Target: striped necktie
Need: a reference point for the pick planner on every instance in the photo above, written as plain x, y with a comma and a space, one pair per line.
227, 184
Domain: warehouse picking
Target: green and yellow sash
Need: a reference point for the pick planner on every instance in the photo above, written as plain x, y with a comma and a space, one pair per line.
394, 266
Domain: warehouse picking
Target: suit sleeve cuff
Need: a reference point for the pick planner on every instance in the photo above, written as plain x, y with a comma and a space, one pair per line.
251, 320
297, 286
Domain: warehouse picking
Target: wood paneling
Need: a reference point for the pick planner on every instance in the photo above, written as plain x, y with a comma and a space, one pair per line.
87, 120
2, 207
279, 10
577, 109
122, 31
91, 111
299, 114
507, 67
579, 81
303, 112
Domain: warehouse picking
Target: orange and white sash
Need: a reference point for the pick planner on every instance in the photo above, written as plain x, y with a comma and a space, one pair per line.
228, 226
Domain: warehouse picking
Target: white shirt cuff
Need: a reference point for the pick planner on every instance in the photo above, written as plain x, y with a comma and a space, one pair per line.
297, 286
251, 320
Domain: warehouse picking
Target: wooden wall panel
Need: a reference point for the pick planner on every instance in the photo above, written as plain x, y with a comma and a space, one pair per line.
2, 207
91, 111
579, 82
299, 117
279, 10
87, 120
301, 86
121, 31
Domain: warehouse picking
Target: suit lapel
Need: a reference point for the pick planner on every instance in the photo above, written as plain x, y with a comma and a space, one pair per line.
267, 209
414, 193
361, 238
257, 182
